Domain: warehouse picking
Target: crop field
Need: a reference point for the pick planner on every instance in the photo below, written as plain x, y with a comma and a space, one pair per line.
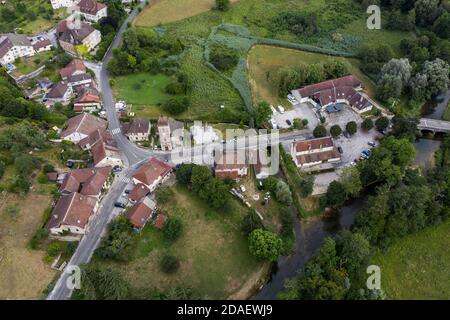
416, 267
165, 11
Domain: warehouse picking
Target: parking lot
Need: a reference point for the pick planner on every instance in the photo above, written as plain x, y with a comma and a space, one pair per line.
342, 117
353, 146
299, 111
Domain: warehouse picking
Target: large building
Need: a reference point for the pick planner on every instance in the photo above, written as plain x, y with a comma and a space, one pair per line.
231, 165
92, 10
331, 94
313, 152
14, 46
81, 126
75, 36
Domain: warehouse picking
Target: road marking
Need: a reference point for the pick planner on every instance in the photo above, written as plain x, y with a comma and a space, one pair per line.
125, 179
115, 131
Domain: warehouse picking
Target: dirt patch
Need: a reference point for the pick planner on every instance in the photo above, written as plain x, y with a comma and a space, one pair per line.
23, 274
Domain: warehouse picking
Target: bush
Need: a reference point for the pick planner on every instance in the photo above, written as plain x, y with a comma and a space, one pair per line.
265, 245
39, 236
382, 123
320, 131
169, 263
223, 58
176, 106
173, 228
222, 5
163, 194
251, 222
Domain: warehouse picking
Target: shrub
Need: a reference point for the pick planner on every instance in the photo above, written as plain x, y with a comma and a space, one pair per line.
222, 5
223, 58
367, 124
39, 236
351, 127
176, 106
163, 194
265, 245
173, 228
169, 263
335, 130
382, 123
251, 222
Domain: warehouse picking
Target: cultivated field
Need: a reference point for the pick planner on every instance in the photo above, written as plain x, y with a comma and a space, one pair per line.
416, 267
23, 273
214, 255
165, 11
265, 59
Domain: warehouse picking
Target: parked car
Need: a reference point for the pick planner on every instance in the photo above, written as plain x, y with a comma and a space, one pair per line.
281, 109
289, 123
127, 191
242, 187
371, 143
340, 149
119, 205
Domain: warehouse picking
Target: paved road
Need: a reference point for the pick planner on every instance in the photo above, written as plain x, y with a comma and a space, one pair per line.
434, 125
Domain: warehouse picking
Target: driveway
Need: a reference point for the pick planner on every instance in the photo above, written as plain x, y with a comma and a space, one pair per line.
300, 111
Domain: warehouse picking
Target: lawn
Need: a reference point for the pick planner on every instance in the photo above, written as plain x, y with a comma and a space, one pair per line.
265, 59
215, 260
23, 273
30, 64
165, 11
416, 267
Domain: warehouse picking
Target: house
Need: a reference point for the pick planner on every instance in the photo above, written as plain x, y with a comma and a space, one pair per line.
42, 45
61, 92
169, 131
231, 165
152, 174
14, 46
87, 100
75, 67
80, 80
137, 129
81, 126
139, 191
312, 152
58, 4
72, 214
92, 138
87, 182
105, 154
44, 84
92, 10
141, 212
331, 94
75, 36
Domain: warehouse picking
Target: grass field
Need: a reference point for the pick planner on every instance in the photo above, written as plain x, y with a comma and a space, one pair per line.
265, 59
165, 11
215, 260
23, 273
416, 267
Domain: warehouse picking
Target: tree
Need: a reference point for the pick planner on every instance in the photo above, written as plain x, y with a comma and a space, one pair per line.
130, 42
251, 222
320, 131
283, 193
382, 123
436, 72
442, 26
351, 181
395, 76
336, 194
367, 124
223, 58
418, 86
215, 193
265, 245
222, 5
184, 173
262, 113
173, 228
351, 127
117, 244
200, 177
335, 131
335, 69
176, 106
169, 263
426, 12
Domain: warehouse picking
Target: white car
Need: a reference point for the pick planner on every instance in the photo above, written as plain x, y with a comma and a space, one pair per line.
242, 187
281, 109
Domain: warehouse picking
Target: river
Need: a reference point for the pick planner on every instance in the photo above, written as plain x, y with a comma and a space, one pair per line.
311, 234
435, 109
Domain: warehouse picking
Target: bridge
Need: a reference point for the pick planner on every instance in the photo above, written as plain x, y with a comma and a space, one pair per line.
434, 125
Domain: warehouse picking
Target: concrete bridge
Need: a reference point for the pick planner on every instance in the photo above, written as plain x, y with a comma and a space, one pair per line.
434, 125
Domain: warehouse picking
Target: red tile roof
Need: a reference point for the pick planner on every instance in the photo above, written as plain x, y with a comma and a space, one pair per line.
141, 212
139, 191
160, 220
313, 144
90, 6
135, 126
318, 157
72, 210
151, 171
88, 182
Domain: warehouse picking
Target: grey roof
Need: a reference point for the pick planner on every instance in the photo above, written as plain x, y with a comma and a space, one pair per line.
137, 125
58, 91
79, 77
9, 40
76, 36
